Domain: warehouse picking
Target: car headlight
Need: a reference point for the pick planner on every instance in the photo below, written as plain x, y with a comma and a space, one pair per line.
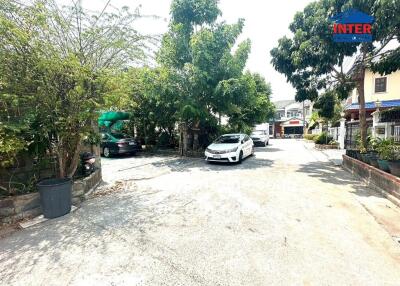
208, 150
232, 150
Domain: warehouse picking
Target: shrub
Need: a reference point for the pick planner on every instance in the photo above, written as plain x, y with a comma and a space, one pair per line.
333, 142
11, 144
388, 149
323, 138
310, 136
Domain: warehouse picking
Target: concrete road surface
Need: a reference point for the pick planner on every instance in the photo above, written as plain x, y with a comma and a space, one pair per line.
286, 216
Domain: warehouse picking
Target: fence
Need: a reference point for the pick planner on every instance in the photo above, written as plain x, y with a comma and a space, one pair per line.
396, 133
391, 130
316, 131
334, 133
353, 132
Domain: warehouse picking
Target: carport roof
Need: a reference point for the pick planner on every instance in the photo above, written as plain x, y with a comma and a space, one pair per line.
372, 105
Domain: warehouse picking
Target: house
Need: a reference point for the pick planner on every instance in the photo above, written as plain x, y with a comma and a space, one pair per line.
377, 88
382, 92
290, 118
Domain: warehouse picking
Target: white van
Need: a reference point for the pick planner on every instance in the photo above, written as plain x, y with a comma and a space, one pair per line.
260, 134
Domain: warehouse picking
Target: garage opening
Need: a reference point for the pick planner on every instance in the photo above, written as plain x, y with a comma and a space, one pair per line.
292, 130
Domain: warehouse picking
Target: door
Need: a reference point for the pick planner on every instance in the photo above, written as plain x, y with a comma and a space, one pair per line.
247, 145
104, 139
266, 134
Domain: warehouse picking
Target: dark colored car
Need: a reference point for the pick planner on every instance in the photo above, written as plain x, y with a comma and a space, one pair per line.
118, 143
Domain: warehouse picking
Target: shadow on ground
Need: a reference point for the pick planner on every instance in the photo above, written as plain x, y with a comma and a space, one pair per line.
181, 164
267, 149
140, 154
94, 227
328, 173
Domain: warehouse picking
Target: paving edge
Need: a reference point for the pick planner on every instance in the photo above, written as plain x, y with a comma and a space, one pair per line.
374, 187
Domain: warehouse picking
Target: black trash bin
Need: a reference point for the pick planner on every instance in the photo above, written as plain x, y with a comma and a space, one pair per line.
55, 197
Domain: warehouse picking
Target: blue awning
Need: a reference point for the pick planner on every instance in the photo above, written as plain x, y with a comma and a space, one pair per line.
372, 105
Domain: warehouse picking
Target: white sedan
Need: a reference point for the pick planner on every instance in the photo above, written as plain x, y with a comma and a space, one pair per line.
230, 148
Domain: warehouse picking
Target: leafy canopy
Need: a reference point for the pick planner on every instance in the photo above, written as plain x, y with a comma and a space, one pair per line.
199, 50
313, 62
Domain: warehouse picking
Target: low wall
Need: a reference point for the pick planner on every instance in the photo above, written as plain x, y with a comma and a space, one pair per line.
326, 146
26, 169
375, 178
16, 208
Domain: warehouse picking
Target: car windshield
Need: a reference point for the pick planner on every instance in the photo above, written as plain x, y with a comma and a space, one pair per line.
228, 139
119, 135
257, 133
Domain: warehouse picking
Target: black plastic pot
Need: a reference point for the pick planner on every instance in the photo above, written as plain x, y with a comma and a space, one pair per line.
383, 165
55, 197
394, 167
357, 155
351, 153
363, 157
373, 160
368, 157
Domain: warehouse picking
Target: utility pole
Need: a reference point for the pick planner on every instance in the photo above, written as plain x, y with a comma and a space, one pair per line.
304, 120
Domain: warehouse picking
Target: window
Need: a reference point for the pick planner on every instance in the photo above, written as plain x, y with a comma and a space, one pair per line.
228, 139
280, 114
380, 84
119, 135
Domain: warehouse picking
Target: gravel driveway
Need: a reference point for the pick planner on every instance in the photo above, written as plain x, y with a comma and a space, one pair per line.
285, 216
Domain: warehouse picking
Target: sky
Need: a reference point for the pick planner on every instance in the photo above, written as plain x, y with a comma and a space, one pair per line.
265, 22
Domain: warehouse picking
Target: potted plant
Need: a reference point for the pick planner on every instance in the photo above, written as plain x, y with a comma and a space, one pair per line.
372, 158
357, 155
393, 160
62, 69
68, 99
385, 149
363, 153
351, 153
372, 154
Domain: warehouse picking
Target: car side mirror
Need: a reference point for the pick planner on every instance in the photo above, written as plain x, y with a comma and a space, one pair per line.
242, 141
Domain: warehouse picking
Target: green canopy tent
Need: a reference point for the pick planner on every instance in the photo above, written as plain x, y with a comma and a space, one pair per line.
113, 120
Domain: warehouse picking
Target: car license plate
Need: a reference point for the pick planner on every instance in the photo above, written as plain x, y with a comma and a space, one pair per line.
217, 156
131, 143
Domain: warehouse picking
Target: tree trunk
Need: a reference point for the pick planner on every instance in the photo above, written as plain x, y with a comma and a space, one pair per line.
196, 140
61, 158
68, 157
362, 116
74, 160
61, 167
183, 139
145, 134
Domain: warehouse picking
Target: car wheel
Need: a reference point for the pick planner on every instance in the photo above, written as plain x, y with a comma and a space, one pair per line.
252, 151
240, 157
106, 152
266, 143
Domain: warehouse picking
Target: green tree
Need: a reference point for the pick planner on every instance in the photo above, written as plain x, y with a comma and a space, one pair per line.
156, 92
326, 105
211, 83
52, 72
247, 101
312, 62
